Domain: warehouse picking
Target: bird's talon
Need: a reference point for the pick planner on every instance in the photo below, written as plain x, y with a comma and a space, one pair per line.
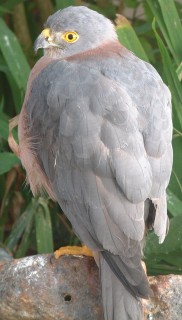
73, 250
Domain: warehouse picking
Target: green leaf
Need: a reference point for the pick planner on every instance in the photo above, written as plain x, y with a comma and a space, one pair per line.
179, 72
61, 4
3, 10
156, 9
8, 5
169, 22
173, 26
156, 253
171, 76
4, 131
44, 237
14, 57
128, 37
131, 3
176, 90
7, 161
1, 106
143, 28
163, 265
26, 238
176, 177
172, 257
17, 96
174, 204
20, 226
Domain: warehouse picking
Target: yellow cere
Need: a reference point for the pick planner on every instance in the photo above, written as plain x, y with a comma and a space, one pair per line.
70, 36
46, 33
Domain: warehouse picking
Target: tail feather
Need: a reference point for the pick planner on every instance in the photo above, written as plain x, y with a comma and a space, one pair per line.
120, 298
132, 278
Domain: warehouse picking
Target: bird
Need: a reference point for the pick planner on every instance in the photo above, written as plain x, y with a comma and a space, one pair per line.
95, 133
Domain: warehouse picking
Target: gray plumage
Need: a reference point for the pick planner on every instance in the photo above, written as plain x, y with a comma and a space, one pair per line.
98, 122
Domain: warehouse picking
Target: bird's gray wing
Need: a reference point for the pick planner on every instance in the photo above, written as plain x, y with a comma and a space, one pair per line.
151, 103
90, 146
157, 139
84, 121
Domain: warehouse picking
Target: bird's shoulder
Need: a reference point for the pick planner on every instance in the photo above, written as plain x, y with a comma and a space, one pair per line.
117, 66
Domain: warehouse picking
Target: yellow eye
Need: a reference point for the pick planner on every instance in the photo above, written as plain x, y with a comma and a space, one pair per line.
70, 36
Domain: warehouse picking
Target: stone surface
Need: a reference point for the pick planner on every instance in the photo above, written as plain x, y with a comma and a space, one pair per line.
167, 302
41, 287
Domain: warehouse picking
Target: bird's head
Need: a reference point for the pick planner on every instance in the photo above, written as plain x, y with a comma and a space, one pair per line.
74, 30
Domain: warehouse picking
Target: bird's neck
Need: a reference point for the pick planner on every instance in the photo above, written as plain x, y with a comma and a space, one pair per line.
105, 49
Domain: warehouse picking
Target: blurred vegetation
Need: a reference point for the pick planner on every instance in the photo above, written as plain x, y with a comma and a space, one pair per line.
29, 225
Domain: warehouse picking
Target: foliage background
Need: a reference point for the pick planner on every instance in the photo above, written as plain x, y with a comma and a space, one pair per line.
29, 225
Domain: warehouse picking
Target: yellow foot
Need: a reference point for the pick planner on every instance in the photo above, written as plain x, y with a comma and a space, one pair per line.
73, 250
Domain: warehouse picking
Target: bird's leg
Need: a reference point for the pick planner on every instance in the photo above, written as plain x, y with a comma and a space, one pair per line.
73, 250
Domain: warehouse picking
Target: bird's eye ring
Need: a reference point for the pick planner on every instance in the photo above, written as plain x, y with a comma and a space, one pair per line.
70, 36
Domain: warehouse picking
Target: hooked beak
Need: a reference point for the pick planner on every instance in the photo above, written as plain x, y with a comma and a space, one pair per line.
44, 42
